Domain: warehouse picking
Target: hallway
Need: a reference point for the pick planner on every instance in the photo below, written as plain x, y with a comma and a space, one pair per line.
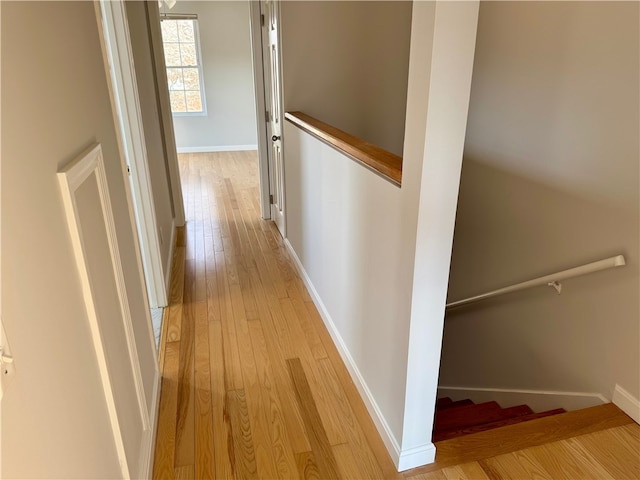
253, 386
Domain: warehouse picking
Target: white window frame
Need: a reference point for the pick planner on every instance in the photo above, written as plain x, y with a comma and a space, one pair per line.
196, 36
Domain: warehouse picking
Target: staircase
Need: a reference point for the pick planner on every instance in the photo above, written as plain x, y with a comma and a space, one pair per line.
464, 417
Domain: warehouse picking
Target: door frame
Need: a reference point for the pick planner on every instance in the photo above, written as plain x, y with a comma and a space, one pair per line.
118, 54
263, 136
262, 124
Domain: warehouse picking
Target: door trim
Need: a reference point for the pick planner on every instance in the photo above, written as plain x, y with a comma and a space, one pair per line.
261, 122
123, 88
71, 177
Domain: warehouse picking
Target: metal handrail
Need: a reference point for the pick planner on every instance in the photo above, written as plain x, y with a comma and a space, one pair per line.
552, 280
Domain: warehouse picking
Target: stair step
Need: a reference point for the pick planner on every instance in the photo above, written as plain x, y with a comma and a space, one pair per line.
457, 403
510, 438
508, 420
443, 402
466, 416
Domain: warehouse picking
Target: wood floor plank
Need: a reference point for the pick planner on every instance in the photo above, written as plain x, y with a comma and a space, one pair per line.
562, 462
631, 431
290, 409
233, 368
163, 466
176, 288
185, 430
324, 402
244, 459
465, 471
620, 457
513, 465
185, 472
317, 436
204, 451
435, 475
265, 456
366, 459
310, 334
476, 446
174, 322
278, 432
222, 427
348, 466
307, 467
364, 422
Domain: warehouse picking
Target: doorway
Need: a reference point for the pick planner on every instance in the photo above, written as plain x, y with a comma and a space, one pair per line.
221, 92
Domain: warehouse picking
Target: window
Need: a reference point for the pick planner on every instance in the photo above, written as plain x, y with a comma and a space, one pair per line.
184, 68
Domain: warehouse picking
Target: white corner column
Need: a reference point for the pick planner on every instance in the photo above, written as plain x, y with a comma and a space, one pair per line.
449, 87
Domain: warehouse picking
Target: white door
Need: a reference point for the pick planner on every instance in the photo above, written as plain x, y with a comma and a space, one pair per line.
271, 51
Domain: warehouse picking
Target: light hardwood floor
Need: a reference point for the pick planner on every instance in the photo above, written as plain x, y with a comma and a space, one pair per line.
253, 386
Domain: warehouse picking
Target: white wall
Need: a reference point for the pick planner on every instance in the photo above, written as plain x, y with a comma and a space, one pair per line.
377, 256
550, 180
346, 63
156, 157
55, 103
226, 55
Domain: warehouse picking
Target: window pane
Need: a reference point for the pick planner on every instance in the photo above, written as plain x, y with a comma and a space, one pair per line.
191, 79
188, 54
178, 103
175, 79
185, 29
194, 101
172, 54
169, 30
182, 62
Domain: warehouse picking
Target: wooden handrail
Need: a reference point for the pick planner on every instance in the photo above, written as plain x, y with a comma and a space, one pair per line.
385, 163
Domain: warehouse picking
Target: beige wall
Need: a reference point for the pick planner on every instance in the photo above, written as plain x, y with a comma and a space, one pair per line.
55, 103
225, 45
346, 63
149, 106
550, 181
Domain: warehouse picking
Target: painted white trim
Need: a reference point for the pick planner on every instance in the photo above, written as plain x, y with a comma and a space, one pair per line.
538, 400
164, 108
71, 177
117, 46
169, 265
137, 248
627, 403
416, 457
261, 123
116, 262
219, 148
148, 452
393, 447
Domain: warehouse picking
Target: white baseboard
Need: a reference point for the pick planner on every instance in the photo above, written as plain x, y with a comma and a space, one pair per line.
403, 460
416, 457
538, 400
220, 148
148, 450
627, 403
169, 266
